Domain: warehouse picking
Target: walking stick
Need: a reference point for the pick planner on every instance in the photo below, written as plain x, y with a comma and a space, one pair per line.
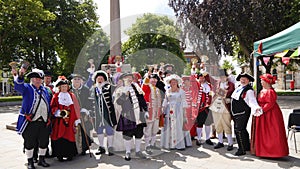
85, 136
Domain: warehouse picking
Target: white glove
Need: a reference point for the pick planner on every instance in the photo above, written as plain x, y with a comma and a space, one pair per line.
77, 122
83, 110
258, 112
146, 115
57, 113
91, 69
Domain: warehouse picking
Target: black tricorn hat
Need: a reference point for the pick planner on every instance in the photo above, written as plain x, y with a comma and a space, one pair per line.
100, 73
223, 72
125, 75
168, 72
36, 73
251, 78
47, 73
62, 82
155, 76
72, 76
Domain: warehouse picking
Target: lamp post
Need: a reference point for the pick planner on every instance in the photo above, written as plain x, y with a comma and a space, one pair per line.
4, 81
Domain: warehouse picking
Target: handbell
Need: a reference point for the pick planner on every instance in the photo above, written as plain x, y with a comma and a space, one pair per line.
13, 66
25, 64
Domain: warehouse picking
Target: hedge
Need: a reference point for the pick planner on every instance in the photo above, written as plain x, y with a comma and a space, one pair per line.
11, 99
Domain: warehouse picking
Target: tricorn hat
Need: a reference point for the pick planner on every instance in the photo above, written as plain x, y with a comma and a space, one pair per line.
223, 72
72, 76
251, 78
155, 76
100, 73
61, 81
37, 73
125, 75
47, 73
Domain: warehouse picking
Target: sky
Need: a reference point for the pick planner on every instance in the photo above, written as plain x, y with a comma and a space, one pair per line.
132, 7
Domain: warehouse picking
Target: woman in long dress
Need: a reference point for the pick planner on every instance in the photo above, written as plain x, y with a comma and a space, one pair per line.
174, 105
269, 132
65, 111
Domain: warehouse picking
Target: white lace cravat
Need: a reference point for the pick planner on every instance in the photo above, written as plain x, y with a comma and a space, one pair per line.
64, 98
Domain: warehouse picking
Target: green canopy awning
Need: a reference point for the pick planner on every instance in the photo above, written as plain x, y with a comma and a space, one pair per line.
286, 39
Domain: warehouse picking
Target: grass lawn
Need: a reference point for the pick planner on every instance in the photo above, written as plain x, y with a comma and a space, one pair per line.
11, 99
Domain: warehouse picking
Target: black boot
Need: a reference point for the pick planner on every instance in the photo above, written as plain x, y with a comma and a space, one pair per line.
30, 163
42, 162
239, 139
246, 140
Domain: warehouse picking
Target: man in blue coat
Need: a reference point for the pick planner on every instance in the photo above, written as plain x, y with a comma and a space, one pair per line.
34, 118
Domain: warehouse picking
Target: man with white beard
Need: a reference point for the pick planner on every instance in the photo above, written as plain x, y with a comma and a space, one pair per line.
105, 111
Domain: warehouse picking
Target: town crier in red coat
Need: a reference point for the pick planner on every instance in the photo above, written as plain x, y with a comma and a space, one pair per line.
65, 111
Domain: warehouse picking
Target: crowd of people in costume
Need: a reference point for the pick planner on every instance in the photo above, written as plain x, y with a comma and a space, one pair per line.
127, 107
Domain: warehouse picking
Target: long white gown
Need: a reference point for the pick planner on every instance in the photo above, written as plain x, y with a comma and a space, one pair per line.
172, 134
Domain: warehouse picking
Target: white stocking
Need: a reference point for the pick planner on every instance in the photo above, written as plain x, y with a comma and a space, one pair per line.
101, 140
138, 145
29, 153
127, 145
220, 137
229, 138
199, 133
207, 132
153, 139
110, 141
42, 151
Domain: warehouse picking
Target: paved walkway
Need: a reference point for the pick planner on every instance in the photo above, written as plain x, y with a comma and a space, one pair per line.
204, 157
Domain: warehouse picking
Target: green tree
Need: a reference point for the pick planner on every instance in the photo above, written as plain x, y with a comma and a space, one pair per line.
227, 65
233, 21
76, 22
24, 30
153, 39
41, 31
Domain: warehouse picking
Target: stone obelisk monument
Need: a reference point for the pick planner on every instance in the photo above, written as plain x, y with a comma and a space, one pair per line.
115, 28
115, 50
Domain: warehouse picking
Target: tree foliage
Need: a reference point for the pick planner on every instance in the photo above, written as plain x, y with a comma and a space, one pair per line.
153, 39
23, 30
238, 21
47, 33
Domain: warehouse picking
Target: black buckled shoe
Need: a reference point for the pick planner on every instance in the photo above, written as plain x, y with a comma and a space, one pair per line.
219, 145
240, 153
110, 151
42, 162
69, 158
209, 142
140, 155
198, 142
60, 158
127, 156
101, 150
148, 150
230, 148
30, 164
